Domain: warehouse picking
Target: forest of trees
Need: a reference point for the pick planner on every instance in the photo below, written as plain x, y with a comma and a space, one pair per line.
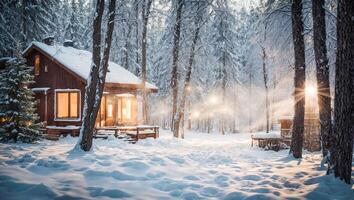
218, 66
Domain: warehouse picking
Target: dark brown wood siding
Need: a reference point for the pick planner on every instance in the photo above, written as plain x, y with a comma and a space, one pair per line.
56, 77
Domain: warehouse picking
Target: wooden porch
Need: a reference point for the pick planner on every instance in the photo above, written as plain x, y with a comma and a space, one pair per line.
129, 133
133, 133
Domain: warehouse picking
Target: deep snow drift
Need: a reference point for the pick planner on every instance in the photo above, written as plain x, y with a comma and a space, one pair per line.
202, 166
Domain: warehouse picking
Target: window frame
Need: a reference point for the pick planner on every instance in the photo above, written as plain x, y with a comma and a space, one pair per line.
37, 68
78, 118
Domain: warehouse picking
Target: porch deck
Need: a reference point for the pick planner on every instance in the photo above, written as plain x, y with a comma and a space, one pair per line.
135, 133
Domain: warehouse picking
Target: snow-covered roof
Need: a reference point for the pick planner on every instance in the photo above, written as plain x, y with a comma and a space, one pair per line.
79, 62
44, 89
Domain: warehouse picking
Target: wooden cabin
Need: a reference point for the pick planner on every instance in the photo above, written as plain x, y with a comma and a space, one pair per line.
61, 73
312, 140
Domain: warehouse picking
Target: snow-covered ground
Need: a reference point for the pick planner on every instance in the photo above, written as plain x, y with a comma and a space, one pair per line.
202, 166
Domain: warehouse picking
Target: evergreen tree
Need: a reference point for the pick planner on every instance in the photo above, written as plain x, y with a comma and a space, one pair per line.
17, 106
224, 49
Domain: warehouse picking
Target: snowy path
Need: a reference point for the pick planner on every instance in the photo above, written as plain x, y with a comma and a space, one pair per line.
203, 166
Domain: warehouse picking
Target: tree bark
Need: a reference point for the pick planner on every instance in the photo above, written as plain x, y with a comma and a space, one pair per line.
223, 87
175, 55
186, 88
145, 12
96, 81
137, 69
265, 77
322, 72
344, 92
299, 79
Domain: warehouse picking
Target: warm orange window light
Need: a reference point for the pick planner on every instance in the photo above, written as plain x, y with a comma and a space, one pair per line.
36, 65
67, 105
110, 110
74, 104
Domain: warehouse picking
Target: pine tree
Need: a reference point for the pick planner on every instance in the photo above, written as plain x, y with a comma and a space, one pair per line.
17, 105
224, 49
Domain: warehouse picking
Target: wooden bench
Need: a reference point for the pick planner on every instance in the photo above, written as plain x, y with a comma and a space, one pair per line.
135, 132
54, 132
270, 143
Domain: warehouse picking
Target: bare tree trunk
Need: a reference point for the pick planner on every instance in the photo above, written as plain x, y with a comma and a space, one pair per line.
137, 69
273, 102
299, 80
250, 97
96, 81
322, 72
175, 55
265, 77
181, 113
223, 87
127, 47
145, 12
234, 124
344, 92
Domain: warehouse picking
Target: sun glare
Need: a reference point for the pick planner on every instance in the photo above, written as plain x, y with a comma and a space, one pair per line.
310, 91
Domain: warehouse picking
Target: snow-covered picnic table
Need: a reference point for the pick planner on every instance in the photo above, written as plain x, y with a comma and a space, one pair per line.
53, 132
135, 132
267, 140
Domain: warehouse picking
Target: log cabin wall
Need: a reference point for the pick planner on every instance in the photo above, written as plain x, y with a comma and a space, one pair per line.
53, 76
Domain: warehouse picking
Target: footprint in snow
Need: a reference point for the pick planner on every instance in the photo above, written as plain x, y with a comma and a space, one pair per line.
251, 177
104, 163
192, 178
167, 185
155, 175
260, 190
135, 165
176, 159
211, 192
222, 181
235, 196
191, 196
291, 185
111, 193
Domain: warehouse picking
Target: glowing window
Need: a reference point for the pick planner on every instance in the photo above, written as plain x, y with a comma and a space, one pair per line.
110, 110
128, 109
36, 65
67, 105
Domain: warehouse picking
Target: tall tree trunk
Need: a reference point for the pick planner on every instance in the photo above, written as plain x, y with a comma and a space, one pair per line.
234, 124
127, 47
265, 77
250, 97
322, 72
175, 55
96, 81
24, 21
272, 118
137, 69
181, 113
299, 80
145, 12
344, 92
223, 87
